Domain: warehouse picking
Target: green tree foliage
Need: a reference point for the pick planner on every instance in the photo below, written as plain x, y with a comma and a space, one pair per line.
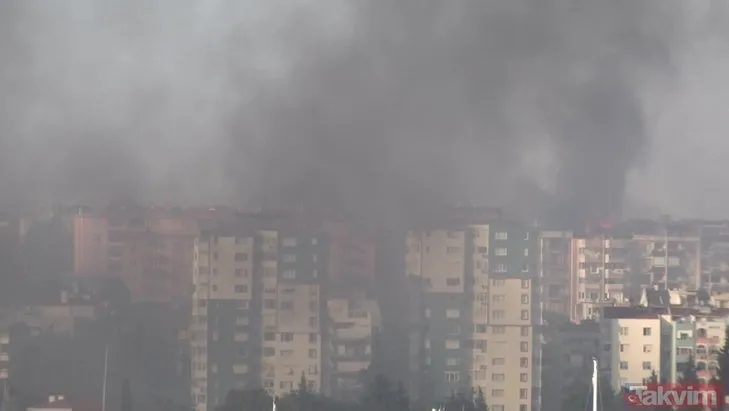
480, 401
723, 361
247, 400
578, 396
688, 375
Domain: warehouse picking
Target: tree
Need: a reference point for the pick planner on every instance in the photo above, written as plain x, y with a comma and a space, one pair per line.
723, 360
126, 399
380, 396
479, 403
689, 376
653, 377
247, 400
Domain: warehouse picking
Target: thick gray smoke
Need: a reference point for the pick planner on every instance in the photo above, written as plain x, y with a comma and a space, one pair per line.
397, 109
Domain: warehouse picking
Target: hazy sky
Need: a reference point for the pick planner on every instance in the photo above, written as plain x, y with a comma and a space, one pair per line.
383, 106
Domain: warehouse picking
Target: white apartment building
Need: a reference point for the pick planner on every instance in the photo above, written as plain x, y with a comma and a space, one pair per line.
632, 345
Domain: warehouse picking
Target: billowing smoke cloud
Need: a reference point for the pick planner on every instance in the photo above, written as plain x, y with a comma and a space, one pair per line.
384, 109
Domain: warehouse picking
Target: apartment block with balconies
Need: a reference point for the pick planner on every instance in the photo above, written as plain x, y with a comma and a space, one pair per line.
355, 325
600, 267
481, 311
259, 313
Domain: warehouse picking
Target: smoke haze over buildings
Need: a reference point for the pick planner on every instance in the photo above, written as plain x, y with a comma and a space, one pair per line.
381, 108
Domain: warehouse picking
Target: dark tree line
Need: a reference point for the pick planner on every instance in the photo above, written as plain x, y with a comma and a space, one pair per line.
380, 395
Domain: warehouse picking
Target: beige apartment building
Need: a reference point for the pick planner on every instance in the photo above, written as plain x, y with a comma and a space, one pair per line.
480, 310
259, 313
599, 267
632, 345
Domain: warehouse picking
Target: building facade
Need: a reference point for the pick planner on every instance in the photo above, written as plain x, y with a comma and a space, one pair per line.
479, 287
259, 314
555, 250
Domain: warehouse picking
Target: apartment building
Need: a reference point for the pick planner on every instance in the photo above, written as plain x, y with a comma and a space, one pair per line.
149, 248
555, 250
715, 255
671, 259
479, 297
355, 324
632, 344
598, 278
259, 313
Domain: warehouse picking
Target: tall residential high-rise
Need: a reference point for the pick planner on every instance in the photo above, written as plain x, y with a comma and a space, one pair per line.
599, 278
555, 250
259, 313
479, 297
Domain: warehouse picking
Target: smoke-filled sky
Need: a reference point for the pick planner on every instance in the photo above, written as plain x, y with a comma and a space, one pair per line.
374, 106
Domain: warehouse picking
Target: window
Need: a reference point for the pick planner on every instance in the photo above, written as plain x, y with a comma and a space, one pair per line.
313, 338
498, 361
497, 377
287, 305
501, 236
646, 331
524, 346
526, 252
241, 272
452, 376
500, 268
453, 313
289, 258
525, 268
313, 322
623, 365
287, 353
524, 377
647, 365
497, 393
497, 407
498, 330
289, 274
313, 370
498, 283
524, 314
269, 336
479, 328
241, 257
647, 348
287, 337
624, 347
314, 258
498, 298
624, 331
524, 362
453, 344
483, 250
313, 353
269, 351
480, 344
241, 288
525, 284
452, 282
269, 304
524, 331
525, 298
452, 361
523, 393
500, 251
497, 314
427, 313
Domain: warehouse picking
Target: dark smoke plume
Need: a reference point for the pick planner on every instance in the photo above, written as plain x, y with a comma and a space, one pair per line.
403, 108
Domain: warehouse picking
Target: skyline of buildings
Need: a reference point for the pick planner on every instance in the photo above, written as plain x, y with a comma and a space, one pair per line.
274, 296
